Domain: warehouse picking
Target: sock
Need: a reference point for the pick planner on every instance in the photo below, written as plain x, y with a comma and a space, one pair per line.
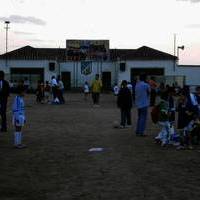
16, 139
16, 142
20, 137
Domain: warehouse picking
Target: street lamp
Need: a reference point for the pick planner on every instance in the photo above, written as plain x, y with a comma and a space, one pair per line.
179, 47
7, 27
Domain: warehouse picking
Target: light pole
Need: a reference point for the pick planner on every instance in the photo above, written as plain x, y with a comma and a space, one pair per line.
179, 47
7, 27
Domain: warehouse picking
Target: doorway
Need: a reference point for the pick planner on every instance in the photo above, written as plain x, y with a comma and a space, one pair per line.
135, 72
106, 81
66, 78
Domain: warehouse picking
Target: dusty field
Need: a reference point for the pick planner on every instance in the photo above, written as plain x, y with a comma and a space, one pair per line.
57, 165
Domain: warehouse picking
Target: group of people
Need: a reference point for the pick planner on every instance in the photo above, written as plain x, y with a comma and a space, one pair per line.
183, 132
95, 90
141, 96
43, 94
17, 109
165, 101
13, 84
55, 89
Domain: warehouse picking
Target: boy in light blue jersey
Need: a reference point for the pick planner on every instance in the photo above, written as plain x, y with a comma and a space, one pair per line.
18, 117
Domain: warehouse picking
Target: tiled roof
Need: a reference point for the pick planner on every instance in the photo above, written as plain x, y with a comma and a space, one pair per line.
188, 65
30, 53
142, 53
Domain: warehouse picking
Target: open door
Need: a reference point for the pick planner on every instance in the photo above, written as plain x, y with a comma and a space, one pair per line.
66, 79
106, 81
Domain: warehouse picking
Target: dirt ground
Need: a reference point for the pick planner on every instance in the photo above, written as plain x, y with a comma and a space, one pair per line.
57, 165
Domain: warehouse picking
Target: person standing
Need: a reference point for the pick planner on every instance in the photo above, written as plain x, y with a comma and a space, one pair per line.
198, 98
116, 89
26, 85
96, 90
40, 92
54, 86
60, 90
4, 93
19, 118
154, 87
130, 87
47, 91
133, 89
142, 98
183, 111
124, 102
86, 90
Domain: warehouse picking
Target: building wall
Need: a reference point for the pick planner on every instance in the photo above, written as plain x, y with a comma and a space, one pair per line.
30, 64
192, 74
168, 67
78, 79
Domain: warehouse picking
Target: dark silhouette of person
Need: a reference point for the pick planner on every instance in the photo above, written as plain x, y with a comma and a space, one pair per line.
4, 93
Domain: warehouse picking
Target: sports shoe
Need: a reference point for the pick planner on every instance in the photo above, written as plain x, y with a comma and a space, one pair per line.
176, 144
163, 144
180, 147
20, 146
190, 147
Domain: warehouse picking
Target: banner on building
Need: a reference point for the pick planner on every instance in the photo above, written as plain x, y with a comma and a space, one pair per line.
95, 50
86, 67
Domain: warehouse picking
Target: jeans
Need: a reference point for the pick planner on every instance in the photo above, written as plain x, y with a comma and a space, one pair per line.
142, 118
125, 116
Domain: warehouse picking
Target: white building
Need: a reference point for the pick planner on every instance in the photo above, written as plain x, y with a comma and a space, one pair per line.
42, 63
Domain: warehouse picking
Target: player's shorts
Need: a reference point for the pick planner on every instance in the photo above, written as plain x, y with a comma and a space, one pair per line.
19, 120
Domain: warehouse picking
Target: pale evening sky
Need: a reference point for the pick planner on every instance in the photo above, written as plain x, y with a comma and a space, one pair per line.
126, 23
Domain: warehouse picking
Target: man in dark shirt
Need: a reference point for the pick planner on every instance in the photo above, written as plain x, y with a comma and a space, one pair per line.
124, 102
4, 93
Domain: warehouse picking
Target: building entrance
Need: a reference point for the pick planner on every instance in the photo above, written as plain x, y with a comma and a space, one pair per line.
106, 80
66, 78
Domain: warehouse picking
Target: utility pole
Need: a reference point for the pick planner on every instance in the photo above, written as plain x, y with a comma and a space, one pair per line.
7, 27
174, 52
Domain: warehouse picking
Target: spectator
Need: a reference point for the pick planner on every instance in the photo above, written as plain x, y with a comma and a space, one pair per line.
96, 90
142, 93
124, 102
86, 90
4, 93
116, 89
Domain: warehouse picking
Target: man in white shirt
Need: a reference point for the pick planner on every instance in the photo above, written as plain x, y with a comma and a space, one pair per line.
116, 89
53, 81
54, 86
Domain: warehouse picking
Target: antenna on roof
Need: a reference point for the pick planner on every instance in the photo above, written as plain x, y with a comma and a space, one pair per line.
174, 44
174, 51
